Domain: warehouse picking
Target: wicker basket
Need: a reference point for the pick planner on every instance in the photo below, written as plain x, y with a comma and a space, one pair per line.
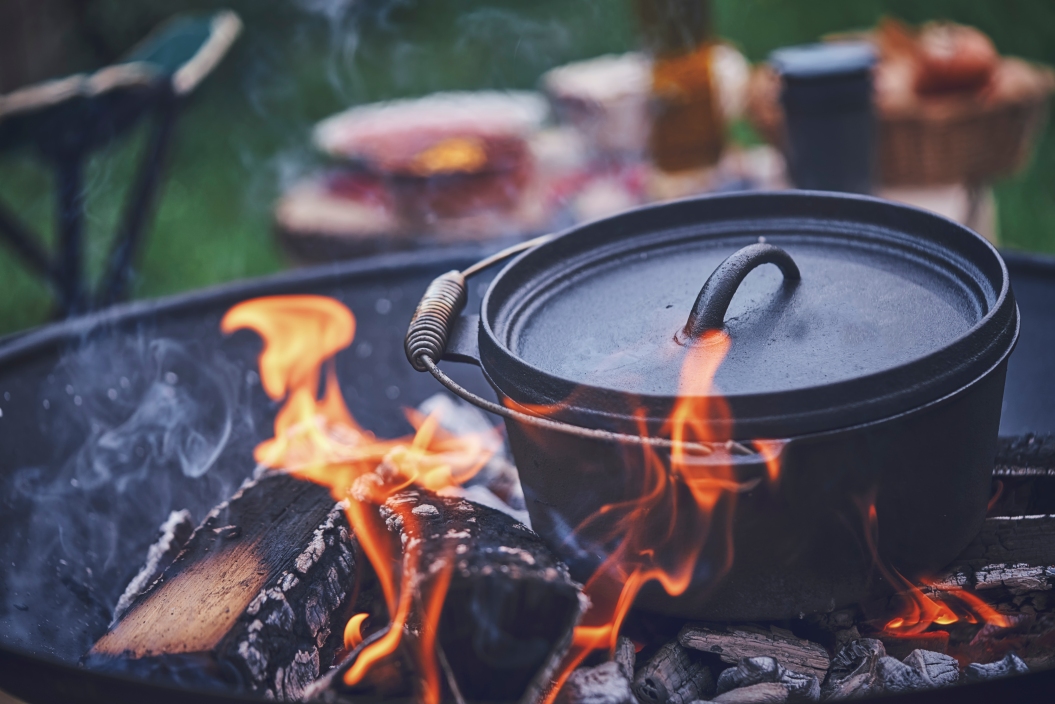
962, 139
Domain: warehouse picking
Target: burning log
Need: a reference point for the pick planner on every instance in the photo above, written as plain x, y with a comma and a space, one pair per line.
250, 599
510, 606
749, 672
673, 676
603, 684
734, 643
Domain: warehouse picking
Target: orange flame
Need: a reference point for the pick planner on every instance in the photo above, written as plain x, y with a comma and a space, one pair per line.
662, 531
920, 612
318, 439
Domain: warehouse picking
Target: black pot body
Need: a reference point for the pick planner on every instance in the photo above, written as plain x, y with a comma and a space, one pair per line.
799, 544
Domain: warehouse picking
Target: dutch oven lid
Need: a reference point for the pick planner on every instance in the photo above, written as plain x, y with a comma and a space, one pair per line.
838, 310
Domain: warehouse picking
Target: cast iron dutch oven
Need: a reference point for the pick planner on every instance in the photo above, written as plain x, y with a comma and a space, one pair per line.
873, 353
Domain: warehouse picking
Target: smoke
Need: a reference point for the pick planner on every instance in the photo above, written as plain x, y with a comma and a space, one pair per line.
152, 419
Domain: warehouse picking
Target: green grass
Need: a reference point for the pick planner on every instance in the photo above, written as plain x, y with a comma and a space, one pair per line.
247, 132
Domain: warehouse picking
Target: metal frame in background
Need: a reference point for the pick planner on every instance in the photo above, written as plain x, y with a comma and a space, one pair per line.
65, 120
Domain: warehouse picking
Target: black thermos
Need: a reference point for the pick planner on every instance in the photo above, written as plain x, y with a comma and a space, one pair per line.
829, 114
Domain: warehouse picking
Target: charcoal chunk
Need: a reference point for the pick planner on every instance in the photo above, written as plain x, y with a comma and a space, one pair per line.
625, 656
857, 657
673, 676
751, 671
937, 669
603, 684
762, 693
895, 676
1010, 665
853, 670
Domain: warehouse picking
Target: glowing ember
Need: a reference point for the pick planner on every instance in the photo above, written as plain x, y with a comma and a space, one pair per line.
318, 439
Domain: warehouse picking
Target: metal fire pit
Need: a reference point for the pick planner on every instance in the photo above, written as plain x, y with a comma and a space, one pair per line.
51, 611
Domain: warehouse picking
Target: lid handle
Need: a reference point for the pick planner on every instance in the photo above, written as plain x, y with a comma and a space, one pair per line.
708, 313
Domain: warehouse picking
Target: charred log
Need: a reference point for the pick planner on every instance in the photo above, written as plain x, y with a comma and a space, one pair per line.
853, 670
674, 675
1010, 665
762, 693
250, 600
735, 643
936, 669
766, 670
1010, 540
603, 684
510, 606
625, 656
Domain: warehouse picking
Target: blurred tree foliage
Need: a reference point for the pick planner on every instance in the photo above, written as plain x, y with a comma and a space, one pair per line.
248, 130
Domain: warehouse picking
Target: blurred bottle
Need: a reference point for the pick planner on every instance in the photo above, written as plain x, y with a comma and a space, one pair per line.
687, 128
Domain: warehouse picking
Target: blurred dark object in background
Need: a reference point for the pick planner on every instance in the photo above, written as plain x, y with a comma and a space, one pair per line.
829, 120
687, 129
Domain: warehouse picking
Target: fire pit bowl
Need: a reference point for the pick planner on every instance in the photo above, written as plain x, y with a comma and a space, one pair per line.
840, 410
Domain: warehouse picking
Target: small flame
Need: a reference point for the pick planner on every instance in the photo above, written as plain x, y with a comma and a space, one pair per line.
920, 612
353, 631
318, 439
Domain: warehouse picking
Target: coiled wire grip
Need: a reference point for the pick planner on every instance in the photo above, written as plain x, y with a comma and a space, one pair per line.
430, 327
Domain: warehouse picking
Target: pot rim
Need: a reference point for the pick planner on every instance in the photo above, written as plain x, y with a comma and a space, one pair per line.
805, 411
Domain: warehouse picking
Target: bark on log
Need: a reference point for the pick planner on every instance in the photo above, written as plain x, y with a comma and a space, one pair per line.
510, 607
733, 643
250, 600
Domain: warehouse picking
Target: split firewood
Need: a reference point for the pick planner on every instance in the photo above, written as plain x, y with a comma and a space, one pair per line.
674, 675
1010, 665
732, 644
251, 599
763, 669
175, 532
603, 684
936, 669
510, 607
